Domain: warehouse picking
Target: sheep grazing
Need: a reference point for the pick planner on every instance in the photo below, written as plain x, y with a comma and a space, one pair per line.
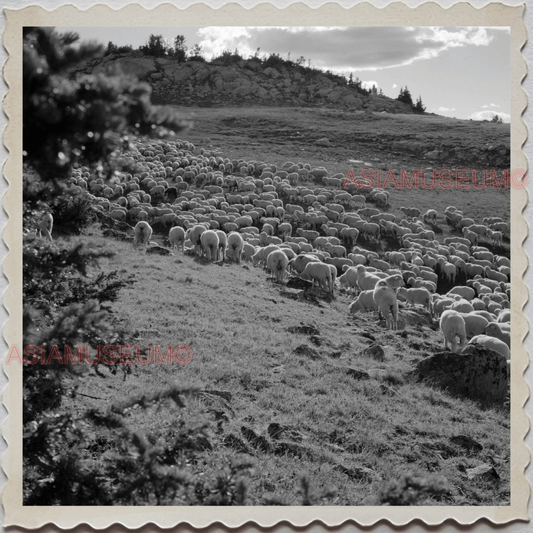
142, 233
45, 225
176, 237
415, 296
222, 244
452, 325
210, 242
319, 273
194, 234
496, 330
364, 303
235, 246
277, 262
492, 343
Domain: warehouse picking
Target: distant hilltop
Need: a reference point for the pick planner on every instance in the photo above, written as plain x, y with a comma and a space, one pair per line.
246, 82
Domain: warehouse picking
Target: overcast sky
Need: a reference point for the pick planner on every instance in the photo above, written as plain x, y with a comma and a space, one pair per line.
461, 72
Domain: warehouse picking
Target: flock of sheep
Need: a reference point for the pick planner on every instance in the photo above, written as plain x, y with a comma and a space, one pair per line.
301, 221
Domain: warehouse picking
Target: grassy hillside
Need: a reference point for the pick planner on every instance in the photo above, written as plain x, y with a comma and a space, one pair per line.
351, 422
290, 384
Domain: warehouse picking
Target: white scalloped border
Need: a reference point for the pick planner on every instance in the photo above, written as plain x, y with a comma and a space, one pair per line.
397, 13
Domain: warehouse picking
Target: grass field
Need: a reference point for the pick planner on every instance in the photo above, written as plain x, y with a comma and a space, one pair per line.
288, 382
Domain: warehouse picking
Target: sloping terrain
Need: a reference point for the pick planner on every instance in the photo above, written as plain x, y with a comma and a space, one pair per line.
297, 385
288, 384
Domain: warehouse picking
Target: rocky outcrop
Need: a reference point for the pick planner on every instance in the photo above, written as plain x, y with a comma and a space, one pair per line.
480, 375
245, 83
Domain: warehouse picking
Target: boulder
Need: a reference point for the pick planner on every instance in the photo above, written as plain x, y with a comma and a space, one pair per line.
480, 375
322, 142
272, 72
375, 351
140, 67
177, 72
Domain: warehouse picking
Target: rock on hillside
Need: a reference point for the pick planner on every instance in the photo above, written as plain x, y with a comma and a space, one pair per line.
247, 82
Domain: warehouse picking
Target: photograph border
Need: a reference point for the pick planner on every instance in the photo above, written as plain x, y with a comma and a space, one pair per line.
331, 14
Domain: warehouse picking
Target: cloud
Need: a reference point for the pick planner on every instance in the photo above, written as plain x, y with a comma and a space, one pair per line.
487, 115
443, 110
349, 49
369, 84
489, 105
394, 86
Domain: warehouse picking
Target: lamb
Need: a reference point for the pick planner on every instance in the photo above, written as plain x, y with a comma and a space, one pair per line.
385, 298
142, 233
236, 246
319, 273
414, 296
176, 237
278, 262
495, 330
364, 303
492, 343
45, 225
210, 242
452, 325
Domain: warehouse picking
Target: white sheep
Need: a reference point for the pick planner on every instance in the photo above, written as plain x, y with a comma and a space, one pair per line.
385, 298
414, 296
209, 241
299, 263
248, 251
222, 244
194, 235
235, 246
462, 306
468, 293
452, 325
349, 279
492, 343
142, 233
364, 303
496, 330
365, 280
320, 273
45, 225
176, 237
277, 262
475, 324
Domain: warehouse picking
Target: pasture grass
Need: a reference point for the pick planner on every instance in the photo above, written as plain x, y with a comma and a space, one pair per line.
295, 410
350, 435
